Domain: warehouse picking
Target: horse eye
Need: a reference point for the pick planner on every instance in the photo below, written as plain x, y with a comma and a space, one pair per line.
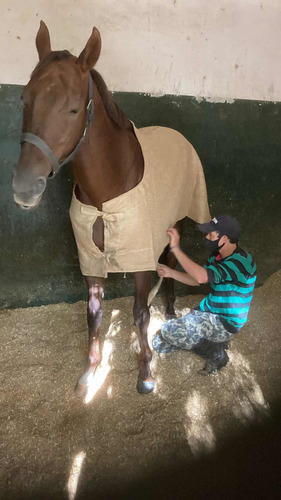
74, 111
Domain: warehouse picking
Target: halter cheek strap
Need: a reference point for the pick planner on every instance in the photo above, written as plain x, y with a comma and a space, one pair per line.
45, 148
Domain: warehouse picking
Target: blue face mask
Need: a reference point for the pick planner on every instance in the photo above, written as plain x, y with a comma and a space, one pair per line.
213, 246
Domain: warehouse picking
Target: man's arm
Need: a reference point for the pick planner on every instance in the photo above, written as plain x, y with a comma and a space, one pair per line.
195, 271
166, 272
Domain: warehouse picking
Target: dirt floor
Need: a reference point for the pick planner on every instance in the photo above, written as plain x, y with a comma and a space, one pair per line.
194, 437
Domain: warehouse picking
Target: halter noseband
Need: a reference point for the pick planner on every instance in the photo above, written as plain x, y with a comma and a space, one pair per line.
47, 151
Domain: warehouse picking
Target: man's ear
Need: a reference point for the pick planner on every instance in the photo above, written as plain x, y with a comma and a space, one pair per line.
90, 54
224, 239
43, 43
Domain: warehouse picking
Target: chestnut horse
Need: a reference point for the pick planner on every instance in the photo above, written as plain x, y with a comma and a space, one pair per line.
65, 102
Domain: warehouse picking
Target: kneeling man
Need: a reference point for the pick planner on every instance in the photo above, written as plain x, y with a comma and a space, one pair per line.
231, 273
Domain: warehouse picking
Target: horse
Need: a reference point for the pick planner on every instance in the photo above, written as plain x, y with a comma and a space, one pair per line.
69, 116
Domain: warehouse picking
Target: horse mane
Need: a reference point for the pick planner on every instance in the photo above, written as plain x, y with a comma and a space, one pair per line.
117, 115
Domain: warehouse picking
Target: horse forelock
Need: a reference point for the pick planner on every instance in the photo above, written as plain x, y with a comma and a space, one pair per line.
55, 56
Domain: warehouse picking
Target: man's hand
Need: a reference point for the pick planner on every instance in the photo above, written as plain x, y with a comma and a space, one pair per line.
164, 271
174, 237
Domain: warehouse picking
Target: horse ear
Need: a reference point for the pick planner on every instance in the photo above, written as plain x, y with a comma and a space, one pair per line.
91, 52
43, 43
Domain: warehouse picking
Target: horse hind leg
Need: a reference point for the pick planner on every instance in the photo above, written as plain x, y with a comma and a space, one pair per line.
170, 260
94, 319
145, 383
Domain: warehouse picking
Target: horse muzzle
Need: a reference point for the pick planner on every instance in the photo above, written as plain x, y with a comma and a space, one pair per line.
27, 204
28, 194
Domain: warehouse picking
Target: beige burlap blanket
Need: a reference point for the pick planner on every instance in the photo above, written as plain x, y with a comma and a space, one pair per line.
135, 223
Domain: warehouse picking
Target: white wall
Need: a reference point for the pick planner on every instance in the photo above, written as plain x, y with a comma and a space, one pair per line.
217, 49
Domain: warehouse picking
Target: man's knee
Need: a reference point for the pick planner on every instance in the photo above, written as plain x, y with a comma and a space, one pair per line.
167, 333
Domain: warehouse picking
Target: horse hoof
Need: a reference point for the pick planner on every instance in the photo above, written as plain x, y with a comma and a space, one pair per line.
145, 387
80, 390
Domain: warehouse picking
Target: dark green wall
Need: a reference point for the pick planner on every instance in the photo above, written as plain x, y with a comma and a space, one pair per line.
240, 149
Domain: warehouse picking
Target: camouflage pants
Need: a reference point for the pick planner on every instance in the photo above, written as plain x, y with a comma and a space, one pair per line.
186, 332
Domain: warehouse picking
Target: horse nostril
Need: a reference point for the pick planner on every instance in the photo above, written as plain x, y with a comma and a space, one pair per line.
40, 185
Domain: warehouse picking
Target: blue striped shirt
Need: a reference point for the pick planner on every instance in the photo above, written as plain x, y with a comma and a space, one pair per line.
232, 282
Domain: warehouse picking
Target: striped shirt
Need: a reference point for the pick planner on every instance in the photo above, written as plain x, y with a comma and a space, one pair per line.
232, 282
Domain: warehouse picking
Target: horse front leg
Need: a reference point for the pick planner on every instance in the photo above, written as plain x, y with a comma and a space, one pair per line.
145, 383
94, 319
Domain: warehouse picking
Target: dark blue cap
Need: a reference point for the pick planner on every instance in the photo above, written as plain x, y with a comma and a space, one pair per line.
224, 224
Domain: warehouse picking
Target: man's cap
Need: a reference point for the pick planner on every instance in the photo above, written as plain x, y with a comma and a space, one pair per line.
224, 224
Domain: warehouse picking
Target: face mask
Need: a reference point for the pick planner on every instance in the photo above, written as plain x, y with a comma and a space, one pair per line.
213, 246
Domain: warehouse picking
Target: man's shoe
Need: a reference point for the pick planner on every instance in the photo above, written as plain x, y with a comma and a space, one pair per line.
214, 353
216, 362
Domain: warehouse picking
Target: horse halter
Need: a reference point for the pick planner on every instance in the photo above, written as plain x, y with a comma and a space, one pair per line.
47, 151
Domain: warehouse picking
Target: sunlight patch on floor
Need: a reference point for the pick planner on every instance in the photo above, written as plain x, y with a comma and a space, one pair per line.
246, 401
96, 380
182, 312
115, 313
109, 391
134, 342
199, 432
248, 398
114, 328
75, 474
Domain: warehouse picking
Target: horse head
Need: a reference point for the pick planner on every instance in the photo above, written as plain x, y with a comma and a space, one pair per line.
56, 114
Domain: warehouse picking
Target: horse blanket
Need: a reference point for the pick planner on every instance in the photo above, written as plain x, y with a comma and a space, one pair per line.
135, 223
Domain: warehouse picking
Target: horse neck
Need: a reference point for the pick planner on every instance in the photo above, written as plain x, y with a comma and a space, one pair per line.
110, 161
